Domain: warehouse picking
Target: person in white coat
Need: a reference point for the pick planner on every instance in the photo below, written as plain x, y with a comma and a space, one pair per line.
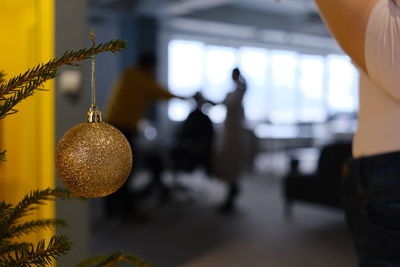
230, 157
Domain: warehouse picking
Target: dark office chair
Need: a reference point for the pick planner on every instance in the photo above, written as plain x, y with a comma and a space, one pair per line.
193, 143
191, 150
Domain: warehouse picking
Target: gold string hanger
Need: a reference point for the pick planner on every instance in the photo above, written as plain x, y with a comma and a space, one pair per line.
94, 113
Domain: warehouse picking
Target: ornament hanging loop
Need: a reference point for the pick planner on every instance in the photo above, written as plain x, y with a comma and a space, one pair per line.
94, 113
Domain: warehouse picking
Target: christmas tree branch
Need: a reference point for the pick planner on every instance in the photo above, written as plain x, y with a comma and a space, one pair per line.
5, 211
33, 226
24, 85
27, 89
2, 75
68, 58
29, 203
3, 155
112, 260
39, 255
6, 247
5, 208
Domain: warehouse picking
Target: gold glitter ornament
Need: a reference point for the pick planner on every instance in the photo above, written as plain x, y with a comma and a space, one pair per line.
93, 159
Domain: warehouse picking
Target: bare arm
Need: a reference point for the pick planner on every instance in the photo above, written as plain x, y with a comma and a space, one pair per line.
347, 20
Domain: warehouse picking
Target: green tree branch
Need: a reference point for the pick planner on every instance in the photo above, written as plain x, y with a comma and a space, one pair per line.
6, 247
33, 226
3, 155
24, 85
39, 255
30, 202
113, 259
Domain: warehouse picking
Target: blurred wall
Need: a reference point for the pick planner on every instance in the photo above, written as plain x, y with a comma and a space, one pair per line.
72, 33
141, 36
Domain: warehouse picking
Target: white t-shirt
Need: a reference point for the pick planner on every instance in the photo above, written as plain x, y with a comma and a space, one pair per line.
379, 116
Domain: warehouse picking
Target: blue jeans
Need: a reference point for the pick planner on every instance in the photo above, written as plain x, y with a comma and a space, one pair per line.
371, 197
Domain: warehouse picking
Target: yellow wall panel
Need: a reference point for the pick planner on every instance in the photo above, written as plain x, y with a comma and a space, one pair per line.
27, 38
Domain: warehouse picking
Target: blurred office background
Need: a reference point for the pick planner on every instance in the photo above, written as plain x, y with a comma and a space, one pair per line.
300, 108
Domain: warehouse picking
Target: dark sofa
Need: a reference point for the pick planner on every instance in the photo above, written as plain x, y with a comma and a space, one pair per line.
322, 187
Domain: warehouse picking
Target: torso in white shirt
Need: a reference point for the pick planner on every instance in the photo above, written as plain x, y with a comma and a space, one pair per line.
379, 116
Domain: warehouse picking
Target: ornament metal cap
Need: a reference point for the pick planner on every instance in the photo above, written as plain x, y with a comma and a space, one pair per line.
94, 114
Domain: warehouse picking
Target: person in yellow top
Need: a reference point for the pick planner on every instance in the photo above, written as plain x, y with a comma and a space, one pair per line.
135, 90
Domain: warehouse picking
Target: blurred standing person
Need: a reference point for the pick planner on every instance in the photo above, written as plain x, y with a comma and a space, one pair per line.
230, 160
368, 31
135, 90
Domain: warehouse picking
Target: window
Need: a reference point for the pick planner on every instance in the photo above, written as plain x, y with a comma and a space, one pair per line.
283, 86
342, 84
311, 88
219, 62
253, 63
282, 89
185, 67
185, 75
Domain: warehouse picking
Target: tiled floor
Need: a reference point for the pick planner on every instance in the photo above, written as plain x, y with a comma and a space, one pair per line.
188, 232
